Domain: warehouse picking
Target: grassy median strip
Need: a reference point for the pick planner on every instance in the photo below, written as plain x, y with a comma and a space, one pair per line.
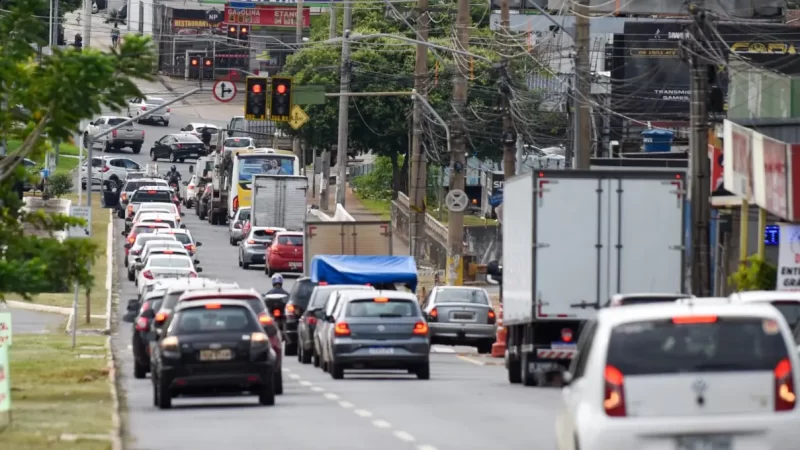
58, 393
100, 220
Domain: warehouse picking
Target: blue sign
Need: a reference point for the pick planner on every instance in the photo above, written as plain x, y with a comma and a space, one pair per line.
496, 199
772, 235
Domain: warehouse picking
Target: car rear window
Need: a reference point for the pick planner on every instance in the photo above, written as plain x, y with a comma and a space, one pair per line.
476, 296
301, 293
237, 143
169, 223
116, 121
646, 300
321, 293
296, 241
145, 238
381, 308
131, 186
188, 139
154, 196
183, 238
142, 229
179, 263
704, 344
223, 319
244, 215
263, 235
790, 311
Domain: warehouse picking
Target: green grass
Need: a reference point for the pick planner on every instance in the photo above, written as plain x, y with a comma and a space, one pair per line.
66, 164
100, 220
53, 391
383, 208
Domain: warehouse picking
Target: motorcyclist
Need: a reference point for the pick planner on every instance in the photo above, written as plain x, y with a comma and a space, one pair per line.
173, 176
205, 136
277, 285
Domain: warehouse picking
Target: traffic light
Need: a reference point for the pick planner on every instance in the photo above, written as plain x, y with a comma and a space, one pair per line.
280, 105
233, 32
194, 67
244, 33
208, 68
255, 102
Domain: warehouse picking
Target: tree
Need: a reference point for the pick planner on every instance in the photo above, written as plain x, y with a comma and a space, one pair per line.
52, 94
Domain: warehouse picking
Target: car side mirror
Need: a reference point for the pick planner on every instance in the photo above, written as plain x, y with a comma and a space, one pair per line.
197, 261
198, 244
183, 226
199, 269
183, 214
329, 319
123, 234
230, 133
191, 170
566, 378
186, 183
138, 260
134, 304
128, 245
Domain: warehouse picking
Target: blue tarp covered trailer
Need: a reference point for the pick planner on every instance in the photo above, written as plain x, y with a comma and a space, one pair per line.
350, 269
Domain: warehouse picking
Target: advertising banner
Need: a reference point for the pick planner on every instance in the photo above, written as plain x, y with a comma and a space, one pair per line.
5, 330
265, 15
793, 182
789, 258
771, 181
5, 380
738, 160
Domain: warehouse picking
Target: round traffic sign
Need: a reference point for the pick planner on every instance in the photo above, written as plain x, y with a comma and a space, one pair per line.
456, 200
224, 91
566, 335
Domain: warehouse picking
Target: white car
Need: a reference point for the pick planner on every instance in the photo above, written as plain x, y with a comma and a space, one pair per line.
167, 266
137, 247
196, 130
162, 208
148, 194
788, 303
156, 248
110, 168
238, 143
139, 106
682, 375
158, 217
184, 237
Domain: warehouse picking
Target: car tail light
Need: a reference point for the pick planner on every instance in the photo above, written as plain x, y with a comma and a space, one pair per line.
323, 283
193, 274
785, 397
144, 108
236, 203
170, 344
147, 274
251, 241
614, 398
131, 238
290, 310
237, 226
190, 247
190, 186
161, 317
168, 110
566, 335
311, 320
264, 319
179, 146
259, 338
135, 252
124, 196
420, 329
106, 169
492, 317
276, 312
141, 324
114, 133
433, 316
342, 329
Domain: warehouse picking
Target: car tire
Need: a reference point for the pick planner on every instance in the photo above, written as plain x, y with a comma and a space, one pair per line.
136, 149
126, 262
305, 356
290, 349
269, 271
526, 377
164, 394
173, 157
278, 382
245, 266
423, 371
231, 241
181, 160
153, 156
131, 276
166, 123
336, 371
266, 396
121, 213
315, 360
107, 148
485, 347
139, 370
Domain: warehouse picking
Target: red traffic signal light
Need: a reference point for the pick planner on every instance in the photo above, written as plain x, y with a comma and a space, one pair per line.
232, 29
281, 88
257, 88
244, 30
194, 61
208, 62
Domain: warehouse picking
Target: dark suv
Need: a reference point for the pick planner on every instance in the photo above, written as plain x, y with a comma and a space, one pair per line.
295, 307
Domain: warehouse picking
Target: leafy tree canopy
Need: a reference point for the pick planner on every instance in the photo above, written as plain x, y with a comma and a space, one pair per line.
50, 95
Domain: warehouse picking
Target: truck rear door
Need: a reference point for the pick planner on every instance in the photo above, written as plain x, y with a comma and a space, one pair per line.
346, 238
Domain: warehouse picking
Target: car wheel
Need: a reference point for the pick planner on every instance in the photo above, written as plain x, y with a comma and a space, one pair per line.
121, 214
315, 359
164, 394
299, 353
131, 276
231, 241
290, 349
306, 356
266, 396
423, 371
245, 266
136, 149
181, 160
240, 259
153, 155
126, 262
129, 112
278, 382
337, 372
269, 271
139, 370
173, 157
166, 123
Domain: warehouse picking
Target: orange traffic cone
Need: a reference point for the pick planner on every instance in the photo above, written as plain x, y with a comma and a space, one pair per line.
499, 347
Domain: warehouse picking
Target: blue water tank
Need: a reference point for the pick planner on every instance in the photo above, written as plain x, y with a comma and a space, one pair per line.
657, 140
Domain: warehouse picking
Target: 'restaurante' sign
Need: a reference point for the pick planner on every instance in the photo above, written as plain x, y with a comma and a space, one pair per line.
265, 15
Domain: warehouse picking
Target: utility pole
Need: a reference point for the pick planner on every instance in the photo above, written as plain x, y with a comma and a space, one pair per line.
332, 23
700, 165
325, 157
87, 26
458, 159
344, 104
582, 150
56, 23
509, 133
296, 147
418, 188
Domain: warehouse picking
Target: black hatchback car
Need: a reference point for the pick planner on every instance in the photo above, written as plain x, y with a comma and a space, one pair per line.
295, 307
177, 147
213, 347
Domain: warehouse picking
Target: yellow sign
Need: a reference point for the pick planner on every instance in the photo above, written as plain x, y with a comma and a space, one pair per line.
298, 117
779, 48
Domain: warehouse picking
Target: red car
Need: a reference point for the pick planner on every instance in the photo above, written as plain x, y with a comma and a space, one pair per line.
141, 229
285, 254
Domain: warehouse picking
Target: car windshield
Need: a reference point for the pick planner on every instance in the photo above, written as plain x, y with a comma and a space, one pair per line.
321, 294
153, 196
290, 240
703, 344
116, 121
646, 300
383, 308
183, 238
142, 229
168, 222
237, 143
220, 319
177, 263
301, 293
790, 310
476, 296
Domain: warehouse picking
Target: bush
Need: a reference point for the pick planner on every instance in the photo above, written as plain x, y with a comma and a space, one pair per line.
755, 274
376, 185
59, 184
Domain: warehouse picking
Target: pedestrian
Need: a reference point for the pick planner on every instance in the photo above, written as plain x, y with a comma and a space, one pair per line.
115, 36
44, 174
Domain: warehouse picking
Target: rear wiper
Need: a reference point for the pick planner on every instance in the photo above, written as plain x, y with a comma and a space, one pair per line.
390, 315
718, 366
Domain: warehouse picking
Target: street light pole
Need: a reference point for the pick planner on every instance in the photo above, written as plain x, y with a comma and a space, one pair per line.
344, 104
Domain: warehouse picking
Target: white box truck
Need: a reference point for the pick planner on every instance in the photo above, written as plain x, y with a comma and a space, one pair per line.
571, 240
279, 201
346, 238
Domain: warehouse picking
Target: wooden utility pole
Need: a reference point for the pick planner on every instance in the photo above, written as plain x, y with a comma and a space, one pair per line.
582, 150
458, 148
418, 188
509, 133
297, 149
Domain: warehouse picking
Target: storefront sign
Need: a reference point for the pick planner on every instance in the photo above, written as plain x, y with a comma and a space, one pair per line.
191, 23
266, 15
789, 258
771, 192
738, 167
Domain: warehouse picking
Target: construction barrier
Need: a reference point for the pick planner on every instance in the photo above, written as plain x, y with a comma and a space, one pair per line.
499, 346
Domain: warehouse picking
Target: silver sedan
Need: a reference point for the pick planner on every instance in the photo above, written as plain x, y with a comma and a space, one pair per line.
235, 225
253, 249
459, 315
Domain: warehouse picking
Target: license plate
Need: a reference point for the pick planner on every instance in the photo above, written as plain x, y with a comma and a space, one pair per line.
563, 346
294, 265
128, 142
704, 443
381, 351
462, 316
216, 355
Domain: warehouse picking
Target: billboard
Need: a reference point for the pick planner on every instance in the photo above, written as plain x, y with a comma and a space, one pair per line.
738, 160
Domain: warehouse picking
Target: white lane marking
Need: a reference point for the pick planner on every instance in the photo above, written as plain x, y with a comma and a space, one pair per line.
345, 404
381, 423
426, 447
294, 376
404, 436
130, 347
471, 360
363, 413
305, 383
286, 370
442, 349
317, 389
331, 396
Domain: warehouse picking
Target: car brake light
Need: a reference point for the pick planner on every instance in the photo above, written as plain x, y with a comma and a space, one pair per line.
251, 241
114, 133
168, 252
132, 239
785, 397
614, 397
342, 329
381, 300
141, 324
236, 203
144, 108
311, 320
213, 306
151, 192
420, 328
290, 309
264, 319
237, 225
566, 335
433, 316
269, 231
106, 169
323, 283
276, 312
147, 274
492, 317
192, 274
190, 247
161, 317
168, 110
190, 186
693, 319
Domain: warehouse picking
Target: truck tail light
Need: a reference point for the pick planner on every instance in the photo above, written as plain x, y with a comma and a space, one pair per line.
614, 398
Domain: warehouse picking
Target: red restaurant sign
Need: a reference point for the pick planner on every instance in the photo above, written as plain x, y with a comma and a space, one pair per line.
267, 15
775, 181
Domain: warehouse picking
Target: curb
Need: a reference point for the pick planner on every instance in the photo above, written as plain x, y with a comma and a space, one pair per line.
39, 308
117, 442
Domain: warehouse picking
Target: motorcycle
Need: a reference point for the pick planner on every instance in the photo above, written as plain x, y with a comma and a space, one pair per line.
276, 305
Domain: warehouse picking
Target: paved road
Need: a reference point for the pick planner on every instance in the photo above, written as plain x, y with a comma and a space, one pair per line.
26, 321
